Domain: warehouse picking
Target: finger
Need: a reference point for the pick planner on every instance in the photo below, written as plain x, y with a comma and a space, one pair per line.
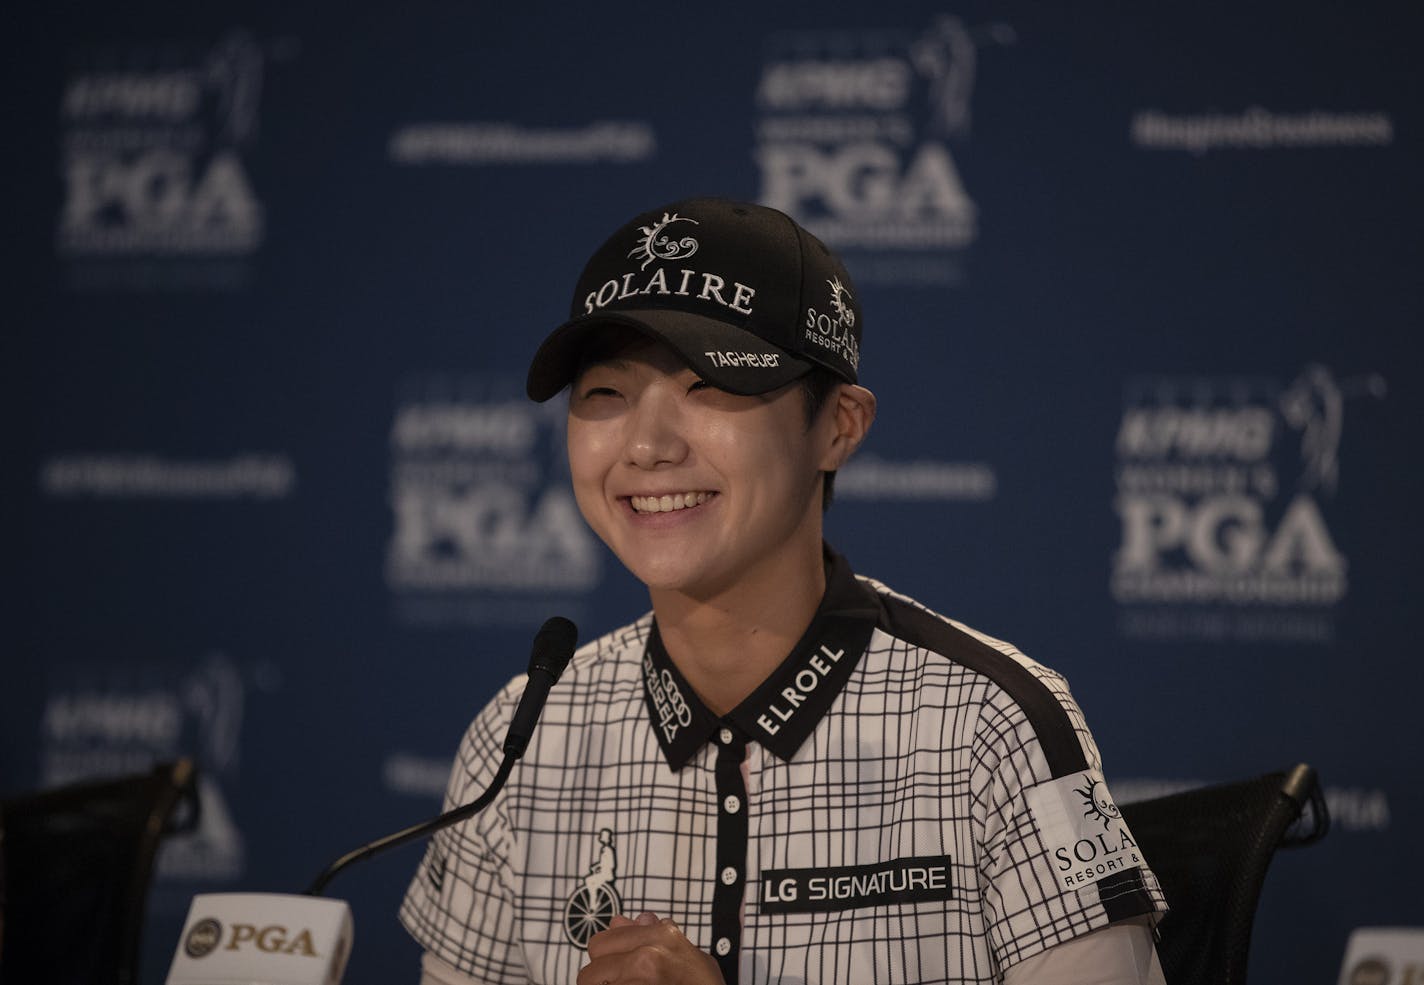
631, 936
668, 958
600, 972
641, 966
647, 919
619, 936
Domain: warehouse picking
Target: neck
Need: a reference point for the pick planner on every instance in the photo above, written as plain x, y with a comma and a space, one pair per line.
727, 644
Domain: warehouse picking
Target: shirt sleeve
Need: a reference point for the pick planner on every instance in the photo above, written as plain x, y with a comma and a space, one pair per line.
1122, 954
433, 971
461, 904
1057, 862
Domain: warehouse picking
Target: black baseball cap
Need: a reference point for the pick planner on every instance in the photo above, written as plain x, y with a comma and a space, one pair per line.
746, 296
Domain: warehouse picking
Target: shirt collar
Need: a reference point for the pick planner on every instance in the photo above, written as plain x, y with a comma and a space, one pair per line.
783, 711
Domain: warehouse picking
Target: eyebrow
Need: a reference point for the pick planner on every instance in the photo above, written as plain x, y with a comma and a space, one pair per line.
612, 362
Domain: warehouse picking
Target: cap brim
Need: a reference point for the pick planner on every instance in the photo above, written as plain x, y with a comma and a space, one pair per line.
725, 356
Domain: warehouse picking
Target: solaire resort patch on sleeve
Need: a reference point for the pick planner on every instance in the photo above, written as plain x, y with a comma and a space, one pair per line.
1082, 828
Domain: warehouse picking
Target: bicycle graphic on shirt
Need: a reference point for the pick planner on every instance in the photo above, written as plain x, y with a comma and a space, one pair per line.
594, 904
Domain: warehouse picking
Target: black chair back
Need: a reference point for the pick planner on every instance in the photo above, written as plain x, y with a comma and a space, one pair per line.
1210, 848
77, 862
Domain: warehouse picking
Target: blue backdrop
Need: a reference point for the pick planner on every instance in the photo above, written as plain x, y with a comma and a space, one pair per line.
1142, 299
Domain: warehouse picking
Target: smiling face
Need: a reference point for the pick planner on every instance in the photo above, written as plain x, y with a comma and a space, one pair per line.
695, 489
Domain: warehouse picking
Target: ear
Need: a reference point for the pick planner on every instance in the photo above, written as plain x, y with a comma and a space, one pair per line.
847, 421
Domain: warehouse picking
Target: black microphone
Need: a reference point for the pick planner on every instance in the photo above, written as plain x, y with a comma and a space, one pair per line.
554, 645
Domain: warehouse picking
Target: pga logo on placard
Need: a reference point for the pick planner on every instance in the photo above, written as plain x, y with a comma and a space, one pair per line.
206, 936
263, 937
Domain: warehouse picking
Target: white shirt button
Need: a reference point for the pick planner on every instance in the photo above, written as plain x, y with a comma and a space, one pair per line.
724, 947
726, 736
729, 876
732, 804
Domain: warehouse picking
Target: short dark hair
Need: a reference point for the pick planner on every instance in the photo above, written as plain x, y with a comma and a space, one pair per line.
817, 387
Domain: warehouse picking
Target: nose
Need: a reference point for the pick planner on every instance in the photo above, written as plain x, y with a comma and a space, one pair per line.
655, 435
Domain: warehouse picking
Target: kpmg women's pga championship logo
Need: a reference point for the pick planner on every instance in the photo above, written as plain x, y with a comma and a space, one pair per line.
857, 134
1224, 486
484, 525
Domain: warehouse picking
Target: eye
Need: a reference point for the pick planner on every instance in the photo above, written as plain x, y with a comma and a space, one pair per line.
597, 391
698, 385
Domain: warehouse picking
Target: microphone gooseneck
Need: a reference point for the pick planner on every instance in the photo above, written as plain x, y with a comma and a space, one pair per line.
554, 645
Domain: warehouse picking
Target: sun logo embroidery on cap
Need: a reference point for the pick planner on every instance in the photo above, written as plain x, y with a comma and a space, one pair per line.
840, 302
656, 245
595, 903
1099, 802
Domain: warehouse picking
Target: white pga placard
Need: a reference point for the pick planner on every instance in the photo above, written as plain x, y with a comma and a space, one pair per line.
262, 939
1384, 956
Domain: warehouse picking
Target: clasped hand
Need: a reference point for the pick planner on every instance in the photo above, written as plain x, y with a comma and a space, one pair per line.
646, 951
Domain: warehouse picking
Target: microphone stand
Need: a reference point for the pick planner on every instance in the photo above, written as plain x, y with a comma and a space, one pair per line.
415, 831
553, 646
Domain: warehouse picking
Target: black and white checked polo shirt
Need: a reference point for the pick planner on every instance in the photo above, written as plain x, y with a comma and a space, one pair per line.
903, 800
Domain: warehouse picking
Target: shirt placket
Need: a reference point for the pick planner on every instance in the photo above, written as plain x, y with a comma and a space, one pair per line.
731, 852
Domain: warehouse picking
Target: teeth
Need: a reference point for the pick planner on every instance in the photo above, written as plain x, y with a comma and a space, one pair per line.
667, 504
